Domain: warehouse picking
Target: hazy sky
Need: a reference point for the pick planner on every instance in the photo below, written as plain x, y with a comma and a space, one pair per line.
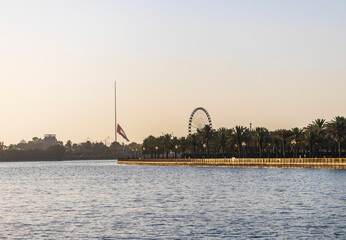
277, 64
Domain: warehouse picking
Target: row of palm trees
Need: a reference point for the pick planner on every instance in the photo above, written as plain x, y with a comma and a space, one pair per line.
318, 139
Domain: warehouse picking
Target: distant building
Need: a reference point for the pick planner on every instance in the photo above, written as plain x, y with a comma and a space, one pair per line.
49, 140
2, 146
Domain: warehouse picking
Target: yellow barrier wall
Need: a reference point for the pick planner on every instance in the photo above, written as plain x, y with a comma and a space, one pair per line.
330, 163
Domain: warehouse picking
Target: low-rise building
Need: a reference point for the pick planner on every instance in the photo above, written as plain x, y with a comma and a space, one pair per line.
49, 140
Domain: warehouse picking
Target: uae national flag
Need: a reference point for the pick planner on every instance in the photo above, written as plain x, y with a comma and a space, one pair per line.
122, 133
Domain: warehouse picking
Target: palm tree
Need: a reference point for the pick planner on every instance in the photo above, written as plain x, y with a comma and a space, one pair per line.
206, 134
239, 137
166, 143
149, 145
319, 127
221, 139
336, 129
311, 139
319, 124
260, 134
283, 135
192, 143
296, 139
175, 145
183, 145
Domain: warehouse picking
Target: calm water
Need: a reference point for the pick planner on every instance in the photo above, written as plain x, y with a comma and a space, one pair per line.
100, 199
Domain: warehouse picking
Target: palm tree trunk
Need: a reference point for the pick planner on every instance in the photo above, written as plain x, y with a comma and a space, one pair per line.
283, 148
339, 148
295, 151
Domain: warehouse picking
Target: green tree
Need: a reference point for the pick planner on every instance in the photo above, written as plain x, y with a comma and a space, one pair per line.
240, 136
260, 134
166, 143
183, 145
336, 129
192, 143
175, 146
283, 135
311, 139
206, 134
296, 139
149, 145
222, 135
318, 126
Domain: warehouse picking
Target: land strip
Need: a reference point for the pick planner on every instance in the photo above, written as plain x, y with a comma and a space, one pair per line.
328, 163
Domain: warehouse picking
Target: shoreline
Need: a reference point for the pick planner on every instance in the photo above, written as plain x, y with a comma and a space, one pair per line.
326, 163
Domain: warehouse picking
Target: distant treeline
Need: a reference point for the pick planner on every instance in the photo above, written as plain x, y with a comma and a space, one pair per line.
35, 150
52, 153
318, 139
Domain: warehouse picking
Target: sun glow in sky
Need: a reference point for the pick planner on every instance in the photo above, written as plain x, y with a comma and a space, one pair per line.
277, 64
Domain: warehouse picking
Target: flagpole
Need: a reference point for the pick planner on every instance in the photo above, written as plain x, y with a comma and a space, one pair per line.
115, 109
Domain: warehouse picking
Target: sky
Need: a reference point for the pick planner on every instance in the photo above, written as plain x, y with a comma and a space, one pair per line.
276, 64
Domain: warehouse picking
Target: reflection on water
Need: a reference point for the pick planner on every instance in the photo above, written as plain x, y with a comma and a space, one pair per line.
100, 199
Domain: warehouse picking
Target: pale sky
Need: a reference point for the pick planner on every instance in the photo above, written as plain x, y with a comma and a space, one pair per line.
276, 64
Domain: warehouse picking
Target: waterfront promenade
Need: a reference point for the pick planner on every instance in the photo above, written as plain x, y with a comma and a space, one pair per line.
328, 163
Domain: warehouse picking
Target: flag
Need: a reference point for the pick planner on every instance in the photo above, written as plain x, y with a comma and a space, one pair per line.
122, 133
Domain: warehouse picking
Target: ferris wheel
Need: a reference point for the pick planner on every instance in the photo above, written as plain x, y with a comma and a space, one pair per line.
198, 119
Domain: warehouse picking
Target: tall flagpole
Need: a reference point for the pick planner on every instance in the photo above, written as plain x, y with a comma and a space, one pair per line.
115, 109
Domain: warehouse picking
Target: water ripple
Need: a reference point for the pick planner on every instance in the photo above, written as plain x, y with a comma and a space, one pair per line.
103, 200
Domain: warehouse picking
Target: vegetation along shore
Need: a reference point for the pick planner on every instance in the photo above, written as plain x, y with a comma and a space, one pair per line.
319, 139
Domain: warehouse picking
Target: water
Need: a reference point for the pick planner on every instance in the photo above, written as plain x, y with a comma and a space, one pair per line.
104, 200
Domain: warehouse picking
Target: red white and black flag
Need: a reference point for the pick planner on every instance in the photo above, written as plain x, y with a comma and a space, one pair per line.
122, 133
